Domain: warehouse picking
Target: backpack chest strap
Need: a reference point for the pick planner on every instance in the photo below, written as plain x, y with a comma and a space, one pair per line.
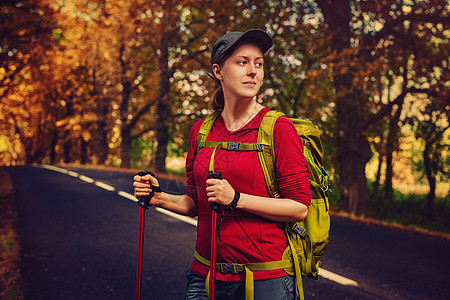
231, 146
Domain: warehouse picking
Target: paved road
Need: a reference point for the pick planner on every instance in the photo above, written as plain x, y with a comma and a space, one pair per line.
79, 241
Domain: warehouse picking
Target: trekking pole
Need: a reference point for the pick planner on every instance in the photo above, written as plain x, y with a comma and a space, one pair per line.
212, 268
144, 203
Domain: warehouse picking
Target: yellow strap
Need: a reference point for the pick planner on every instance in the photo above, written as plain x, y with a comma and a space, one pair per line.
207, 284
310, 265
206, 127
298, 272
201, 259
249, 288
211, 161
233, 146
262, 266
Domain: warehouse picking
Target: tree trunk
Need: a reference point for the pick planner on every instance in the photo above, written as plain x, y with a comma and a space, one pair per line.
162, 135
53, 147
353, 147
163, 107
353, 154
431, 177
391, 146
102, 126
125, 153
388, 190
376, 183
84, 151
124, 111
102, 142
67, 148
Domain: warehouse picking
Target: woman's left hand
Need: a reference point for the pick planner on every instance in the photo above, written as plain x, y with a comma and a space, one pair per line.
219, 191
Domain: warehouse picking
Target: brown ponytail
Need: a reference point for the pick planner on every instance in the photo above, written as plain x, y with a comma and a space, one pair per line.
218, 99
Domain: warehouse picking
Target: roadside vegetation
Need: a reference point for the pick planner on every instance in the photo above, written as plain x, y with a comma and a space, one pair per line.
408, 211
10, 276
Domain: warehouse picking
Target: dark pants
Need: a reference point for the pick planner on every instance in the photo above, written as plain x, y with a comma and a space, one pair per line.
282, 288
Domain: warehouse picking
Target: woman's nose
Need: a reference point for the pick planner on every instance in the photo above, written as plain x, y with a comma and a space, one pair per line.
251, 69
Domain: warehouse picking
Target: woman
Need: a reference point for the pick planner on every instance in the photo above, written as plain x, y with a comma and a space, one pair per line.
252, 232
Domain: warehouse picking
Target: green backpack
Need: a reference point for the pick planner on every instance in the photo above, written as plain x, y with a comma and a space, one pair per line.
307, 239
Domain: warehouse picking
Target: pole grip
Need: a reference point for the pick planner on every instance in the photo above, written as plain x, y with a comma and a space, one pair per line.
144, 201
215, 206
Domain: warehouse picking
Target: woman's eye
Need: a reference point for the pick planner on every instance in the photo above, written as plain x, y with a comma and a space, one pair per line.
241, 62
259, 64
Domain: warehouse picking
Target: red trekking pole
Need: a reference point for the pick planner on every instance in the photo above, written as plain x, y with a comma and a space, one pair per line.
212, 268
144, 203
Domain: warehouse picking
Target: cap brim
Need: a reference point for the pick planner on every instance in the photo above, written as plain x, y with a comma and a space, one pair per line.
259, 37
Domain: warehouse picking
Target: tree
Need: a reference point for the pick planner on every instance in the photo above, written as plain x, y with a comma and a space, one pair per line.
431, 125
358, 30
26, 34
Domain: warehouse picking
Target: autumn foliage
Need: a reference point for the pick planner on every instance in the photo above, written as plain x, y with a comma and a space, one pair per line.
121, 82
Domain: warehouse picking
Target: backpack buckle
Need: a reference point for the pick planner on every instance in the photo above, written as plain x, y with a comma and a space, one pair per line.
233, 146
299, 230
229, 268
324, 171
260, 147
200, 146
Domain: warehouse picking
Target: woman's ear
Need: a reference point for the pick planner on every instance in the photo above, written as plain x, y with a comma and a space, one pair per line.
216, 71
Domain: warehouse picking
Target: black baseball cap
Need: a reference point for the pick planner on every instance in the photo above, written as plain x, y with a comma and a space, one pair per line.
226, 41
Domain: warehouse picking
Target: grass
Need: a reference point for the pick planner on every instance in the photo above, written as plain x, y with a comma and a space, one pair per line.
10, 276
405, 210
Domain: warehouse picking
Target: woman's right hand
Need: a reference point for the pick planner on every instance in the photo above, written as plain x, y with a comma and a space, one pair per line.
142, 187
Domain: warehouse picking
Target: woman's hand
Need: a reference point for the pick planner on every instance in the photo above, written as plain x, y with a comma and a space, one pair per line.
142, 187
219, 191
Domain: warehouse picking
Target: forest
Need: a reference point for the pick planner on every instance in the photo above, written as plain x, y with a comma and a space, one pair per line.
120, 83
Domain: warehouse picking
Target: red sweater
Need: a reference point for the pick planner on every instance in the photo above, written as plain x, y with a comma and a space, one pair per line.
245, 237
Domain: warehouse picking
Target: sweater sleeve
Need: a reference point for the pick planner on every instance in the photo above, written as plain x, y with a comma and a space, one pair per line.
291, 171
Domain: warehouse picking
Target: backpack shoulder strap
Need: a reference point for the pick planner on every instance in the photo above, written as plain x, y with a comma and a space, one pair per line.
205, 128
267, 156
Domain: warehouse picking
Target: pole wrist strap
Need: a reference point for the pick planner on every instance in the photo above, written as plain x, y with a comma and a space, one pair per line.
233, 204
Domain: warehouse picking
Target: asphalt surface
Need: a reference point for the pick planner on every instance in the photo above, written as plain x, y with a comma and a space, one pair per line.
80, 242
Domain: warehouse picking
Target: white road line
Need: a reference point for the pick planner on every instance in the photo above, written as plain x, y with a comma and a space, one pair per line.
105, 186
73, 174
185, 219
322, 272
127, 195
336, 278
87, 179
53, 168
188, 220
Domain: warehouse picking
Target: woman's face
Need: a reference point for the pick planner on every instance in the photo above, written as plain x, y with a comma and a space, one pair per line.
241, 75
